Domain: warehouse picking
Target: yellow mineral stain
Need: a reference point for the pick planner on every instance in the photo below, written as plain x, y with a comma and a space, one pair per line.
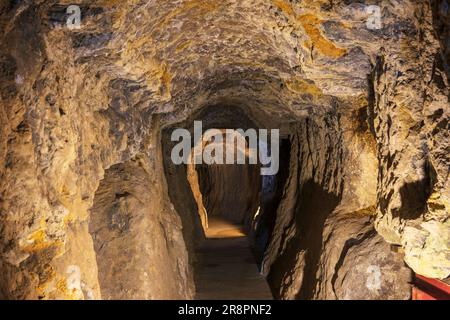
369, 211
284, 6
311, 25
111, 3
37, 242
62, 290
166, 79
438, 203
303, 86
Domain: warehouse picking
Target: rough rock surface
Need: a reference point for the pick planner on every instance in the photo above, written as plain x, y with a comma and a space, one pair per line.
232, 191
138, 242
370, 262
366, 111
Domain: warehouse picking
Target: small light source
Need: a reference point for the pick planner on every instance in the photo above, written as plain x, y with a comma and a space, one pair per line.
256, 214
255, 223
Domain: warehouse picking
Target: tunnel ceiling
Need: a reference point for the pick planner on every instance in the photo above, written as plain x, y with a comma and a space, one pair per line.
286, 58
366, 111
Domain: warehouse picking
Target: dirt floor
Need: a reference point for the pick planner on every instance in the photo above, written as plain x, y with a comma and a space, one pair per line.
227, 267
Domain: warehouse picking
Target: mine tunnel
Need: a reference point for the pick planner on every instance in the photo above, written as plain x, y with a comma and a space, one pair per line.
233, 204
93, 204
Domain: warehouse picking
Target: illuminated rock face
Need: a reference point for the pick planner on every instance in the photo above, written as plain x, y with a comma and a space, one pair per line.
365, 112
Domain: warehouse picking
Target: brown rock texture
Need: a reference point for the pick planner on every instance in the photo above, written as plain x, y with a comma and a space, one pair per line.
132, 228
91, 207
233, 191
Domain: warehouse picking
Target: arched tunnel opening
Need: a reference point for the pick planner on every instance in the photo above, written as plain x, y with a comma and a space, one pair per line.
235, 205
101, 198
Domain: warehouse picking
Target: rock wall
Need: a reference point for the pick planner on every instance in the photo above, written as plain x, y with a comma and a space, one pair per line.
138, 242
411, 123
324, 245
63, 124
327, 211
231, 192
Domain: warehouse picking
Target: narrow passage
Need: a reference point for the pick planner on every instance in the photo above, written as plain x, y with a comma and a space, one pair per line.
227, 268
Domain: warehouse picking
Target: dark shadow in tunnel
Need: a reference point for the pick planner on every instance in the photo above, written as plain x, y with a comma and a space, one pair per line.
313, 206
271, 195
